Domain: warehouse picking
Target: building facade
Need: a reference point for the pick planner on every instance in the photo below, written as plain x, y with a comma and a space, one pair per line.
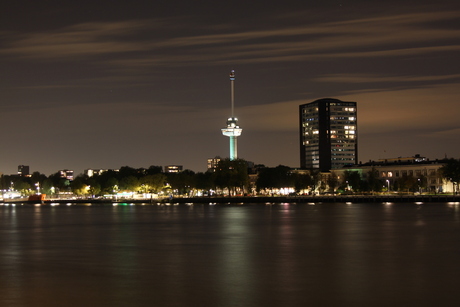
394, 172
67, 174
328, 134
23, 170
173, 168
212, 164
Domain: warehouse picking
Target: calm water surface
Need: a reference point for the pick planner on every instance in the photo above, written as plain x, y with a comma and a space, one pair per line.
251, 255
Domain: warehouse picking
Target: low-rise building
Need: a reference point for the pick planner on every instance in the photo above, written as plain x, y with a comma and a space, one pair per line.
391, 171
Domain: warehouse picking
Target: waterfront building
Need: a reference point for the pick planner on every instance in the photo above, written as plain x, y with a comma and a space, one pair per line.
233, 131
328, 134
391, 172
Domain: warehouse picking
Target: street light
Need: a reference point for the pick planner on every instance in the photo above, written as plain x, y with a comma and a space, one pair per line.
388, 183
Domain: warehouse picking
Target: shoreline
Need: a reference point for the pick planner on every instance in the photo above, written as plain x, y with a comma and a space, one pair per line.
262, 199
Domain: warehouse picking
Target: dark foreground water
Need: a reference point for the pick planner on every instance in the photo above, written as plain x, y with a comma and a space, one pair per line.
251, 255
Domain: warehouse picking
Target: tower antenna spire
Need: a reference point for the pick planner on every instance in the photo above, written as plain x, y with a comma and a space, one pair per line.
232, 86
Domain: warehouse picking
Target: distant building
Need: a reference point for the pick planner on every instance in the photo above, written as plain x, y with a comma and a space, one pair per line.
212, 163
23, 170
95, 172
328, 134
67, 174
173, 168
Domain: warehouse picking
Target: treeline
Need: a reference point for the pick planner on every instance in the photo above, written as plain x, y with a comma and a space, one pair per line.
229, 178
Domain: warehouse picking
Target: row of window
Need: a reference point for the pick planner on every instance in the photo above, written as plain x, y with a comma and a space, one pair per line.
343, 117
347, 136
342, 150
417, 173
342, 122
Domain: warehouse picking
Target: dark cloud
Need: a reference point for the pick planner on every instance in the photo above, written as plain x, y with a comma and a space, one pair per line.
98, 85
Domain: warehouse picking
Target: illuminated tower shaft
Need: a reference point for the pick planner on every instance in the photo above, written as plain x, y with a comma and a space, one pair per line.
233, 130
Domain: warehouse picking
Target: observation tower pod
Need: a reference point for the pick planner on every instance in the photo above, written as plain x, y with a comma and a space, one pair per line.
233, 131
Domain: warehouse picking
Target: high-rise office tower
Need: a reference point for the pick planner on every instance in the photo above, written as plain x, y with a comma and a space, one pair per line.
328, 134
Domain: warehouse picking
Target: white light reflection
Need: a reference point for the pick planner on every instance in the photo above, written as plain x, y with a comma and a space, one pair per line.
236, 269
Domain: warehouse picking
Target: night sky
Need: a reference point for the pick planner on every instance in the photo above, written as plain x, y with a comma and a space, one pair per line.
105, 84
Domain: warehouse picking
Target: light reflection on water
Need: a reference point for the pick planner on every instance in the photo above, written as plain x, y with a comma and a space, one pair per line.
221, 255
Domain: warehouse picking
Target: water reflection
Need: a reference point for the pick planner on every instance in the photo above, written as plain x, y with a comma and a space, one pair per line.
245, 255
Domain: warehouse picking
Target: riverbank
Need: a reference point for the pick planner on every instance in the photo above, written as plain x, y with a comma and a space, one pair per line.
265, 199
324, 199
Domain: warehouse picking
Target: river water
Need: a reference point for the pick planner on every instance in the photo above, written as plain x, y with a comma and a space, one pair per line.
229, 255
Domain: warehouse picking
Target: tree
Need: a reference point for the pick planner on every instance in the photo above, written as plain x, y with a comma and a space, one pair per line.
183, 182
109, 186
204, 181
422, 182
79, 186
302, 182
153, 183
58, 182
275, 178
352, 179
22, 186
47, 186
94, 187
316, 180
130, 183
374, 184
37, 177
451, 172
332, 182
232, 175
126, 171
406, 183
153, 169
